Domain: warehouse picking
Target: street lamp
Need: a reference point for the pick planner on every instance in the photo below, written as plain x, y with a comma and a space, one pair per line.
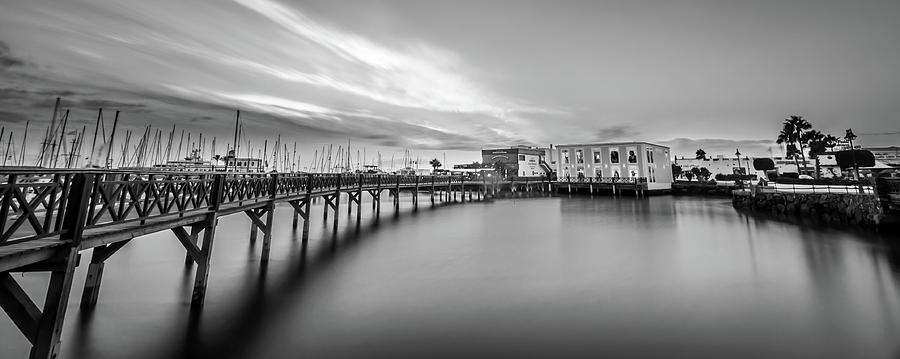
850, 136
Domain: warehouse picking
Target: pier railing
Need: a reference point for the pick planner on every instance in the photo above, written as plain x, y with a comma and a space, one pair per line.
811, 188
604, 180
33, 202
48, 216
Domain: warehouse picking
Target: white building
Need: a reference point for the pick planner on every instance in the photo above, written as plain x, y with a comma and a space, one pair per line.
520, 161
621, 159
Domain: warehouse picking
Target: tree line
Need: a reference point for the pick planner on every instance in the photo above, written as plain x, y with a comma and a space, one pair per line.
799, 139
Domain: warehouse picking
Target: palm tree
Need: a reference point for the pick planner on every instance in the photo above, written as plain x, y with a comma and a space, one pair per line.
818, 143
701, 154
800, 125
435, 163
787, 136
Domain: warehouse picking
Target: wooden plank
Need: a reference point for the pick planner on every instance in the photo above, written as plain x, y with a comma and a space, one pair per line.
21, 254
94, 237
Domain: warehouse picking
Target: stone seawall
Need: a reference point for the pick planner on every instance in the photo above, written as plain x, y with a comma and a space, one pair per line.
854, 209
702, 189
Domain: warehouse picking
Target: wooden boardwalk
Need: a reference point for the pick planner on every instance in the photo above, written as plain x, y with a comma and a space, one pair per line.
47, 217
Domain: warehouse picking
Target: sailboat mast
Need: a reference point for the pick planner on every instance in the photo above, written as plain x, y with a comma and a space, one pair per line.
24, 141
8, 143
112, 137
51, 132
237, 121
62, 137
96, 131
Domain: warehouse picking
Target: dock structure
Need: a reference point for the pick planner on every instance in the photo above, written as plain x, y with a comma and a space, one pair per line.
616, 186
47, 217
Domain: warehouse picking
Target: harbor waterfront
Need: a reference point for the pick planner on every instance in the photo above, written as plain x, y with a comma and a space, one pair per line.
529, 277
256, 179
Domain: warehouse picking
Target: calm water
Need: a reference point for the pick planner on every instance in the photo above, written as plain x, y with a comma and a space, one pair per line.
543, 277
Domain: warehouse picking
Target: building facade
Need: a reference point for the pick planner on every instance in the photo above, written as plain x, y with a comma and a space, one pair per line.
623, 160
520, 161
720, 165
888, 155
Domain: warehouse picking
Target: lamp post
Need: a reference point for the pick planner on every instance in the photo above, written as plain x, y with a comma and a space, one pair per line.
737, 153
850, 136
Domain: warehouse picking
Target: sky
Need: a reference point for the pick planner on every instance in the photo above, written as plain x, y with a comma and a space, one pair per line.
453, 77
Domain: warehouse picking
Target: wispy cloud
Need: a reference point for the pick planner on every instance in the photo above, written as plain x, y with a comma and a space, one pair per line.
616, 133
6, 58
418, 76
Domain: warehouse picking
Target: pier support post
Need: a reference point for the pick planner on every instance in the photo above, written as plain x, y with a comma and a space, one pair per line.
359, 196
49, 327
462, 189
267, 232
269, 210
204, 254
376, 199
43, 328
306, 214
432, 190
327, 204
301, 208
351, 197
201, 277
254, 232
416, 194
397, 194
95, 272
337, 202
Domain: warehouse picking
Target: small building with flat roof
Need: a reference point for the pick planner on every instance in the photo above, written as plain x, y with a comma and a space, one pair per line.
518, 161
616, 160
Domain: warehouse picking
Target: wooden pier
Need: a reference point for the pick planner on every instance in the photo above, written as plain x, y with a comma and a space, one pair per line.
47, 217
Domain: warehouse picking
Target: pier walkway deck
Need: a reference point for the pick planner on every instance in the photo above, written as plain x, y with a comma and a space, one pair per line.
47, 217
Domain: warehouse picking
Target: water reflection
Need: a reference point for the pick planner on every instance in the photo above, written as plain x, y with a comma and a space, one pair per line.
539, 277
